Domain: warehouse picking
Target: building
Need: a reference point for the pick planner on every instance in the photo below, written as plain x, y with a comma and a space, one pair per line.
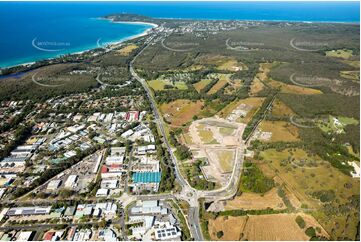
166, 231
28, 211
114, 160
102, 192
71, 181
98, 209
13, 161
107, 235
82, 235
109, 184
53, 235
146, 181
142, 150
54, 184
127, 133
25, 236
2, 191
69, 211
356, 172
112, 171
149, 207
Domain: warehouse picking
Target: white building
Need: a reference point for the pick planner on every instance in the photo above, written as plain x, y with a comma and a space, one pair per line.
109, 183
54, 184
71, 181
25, 235
356, 172
28, 211
102, 192
166, 231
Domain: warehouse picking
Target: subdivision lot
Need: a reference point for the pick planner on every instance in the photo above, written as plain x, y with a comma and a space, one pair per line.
180, 111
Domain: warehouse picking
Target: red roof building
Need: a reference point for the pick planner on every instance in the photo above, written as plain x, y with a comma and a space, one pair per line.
104, 169
48, 235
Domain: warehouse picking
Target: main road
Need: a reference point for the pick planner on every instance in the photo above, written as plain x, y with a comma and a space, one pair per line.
188, 193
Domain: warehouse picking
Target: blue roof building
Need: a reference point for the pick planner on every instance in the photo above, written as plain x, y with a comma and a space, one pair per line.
146, 177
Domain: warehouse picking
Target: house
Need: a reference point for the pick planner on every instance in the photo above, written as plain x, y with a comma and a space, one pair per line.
107, 235
127, 134
82, 235
69, 211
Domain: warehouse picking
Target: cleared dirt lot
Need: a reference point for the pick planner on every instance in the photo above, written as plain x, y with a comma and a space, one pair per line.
215, 140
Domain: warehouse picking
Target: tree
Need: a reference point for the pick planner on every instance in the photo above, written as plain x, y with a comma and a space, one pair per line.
310, 232
301, 223
219, 234
102, 223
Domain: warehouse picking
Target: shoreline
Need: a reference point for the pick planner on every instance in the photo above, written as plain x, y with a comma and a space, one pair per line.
153, 25
116, 42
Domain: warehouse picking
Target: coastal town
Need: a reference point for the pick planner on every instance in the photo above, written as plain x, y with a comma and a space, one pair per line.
89, 159
189, 131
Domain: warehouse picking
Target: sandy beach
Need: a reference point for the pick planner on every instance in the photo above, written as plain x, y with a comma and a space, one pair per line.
117, 42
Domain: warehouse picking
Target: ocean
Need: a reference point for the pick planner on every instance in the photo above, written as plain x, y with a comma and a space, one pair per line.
33, 31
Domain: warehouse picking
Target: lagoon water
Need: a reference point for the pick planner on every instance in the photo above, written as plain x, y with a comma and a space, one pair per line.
67, 27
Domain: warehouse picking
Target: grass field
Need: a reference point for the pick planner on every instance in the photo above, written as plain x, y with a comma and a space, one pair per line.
226, 159
352, 75
256, 86
206, 135
220, 62
279, 108
276, 227
223, 80
233, 86
125, 51
344, 54
160, 84
281, 130
353, 63
293, 89
303, 175
231, 65
201, 84
225, 131
255, 201
180, 111
231, 227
